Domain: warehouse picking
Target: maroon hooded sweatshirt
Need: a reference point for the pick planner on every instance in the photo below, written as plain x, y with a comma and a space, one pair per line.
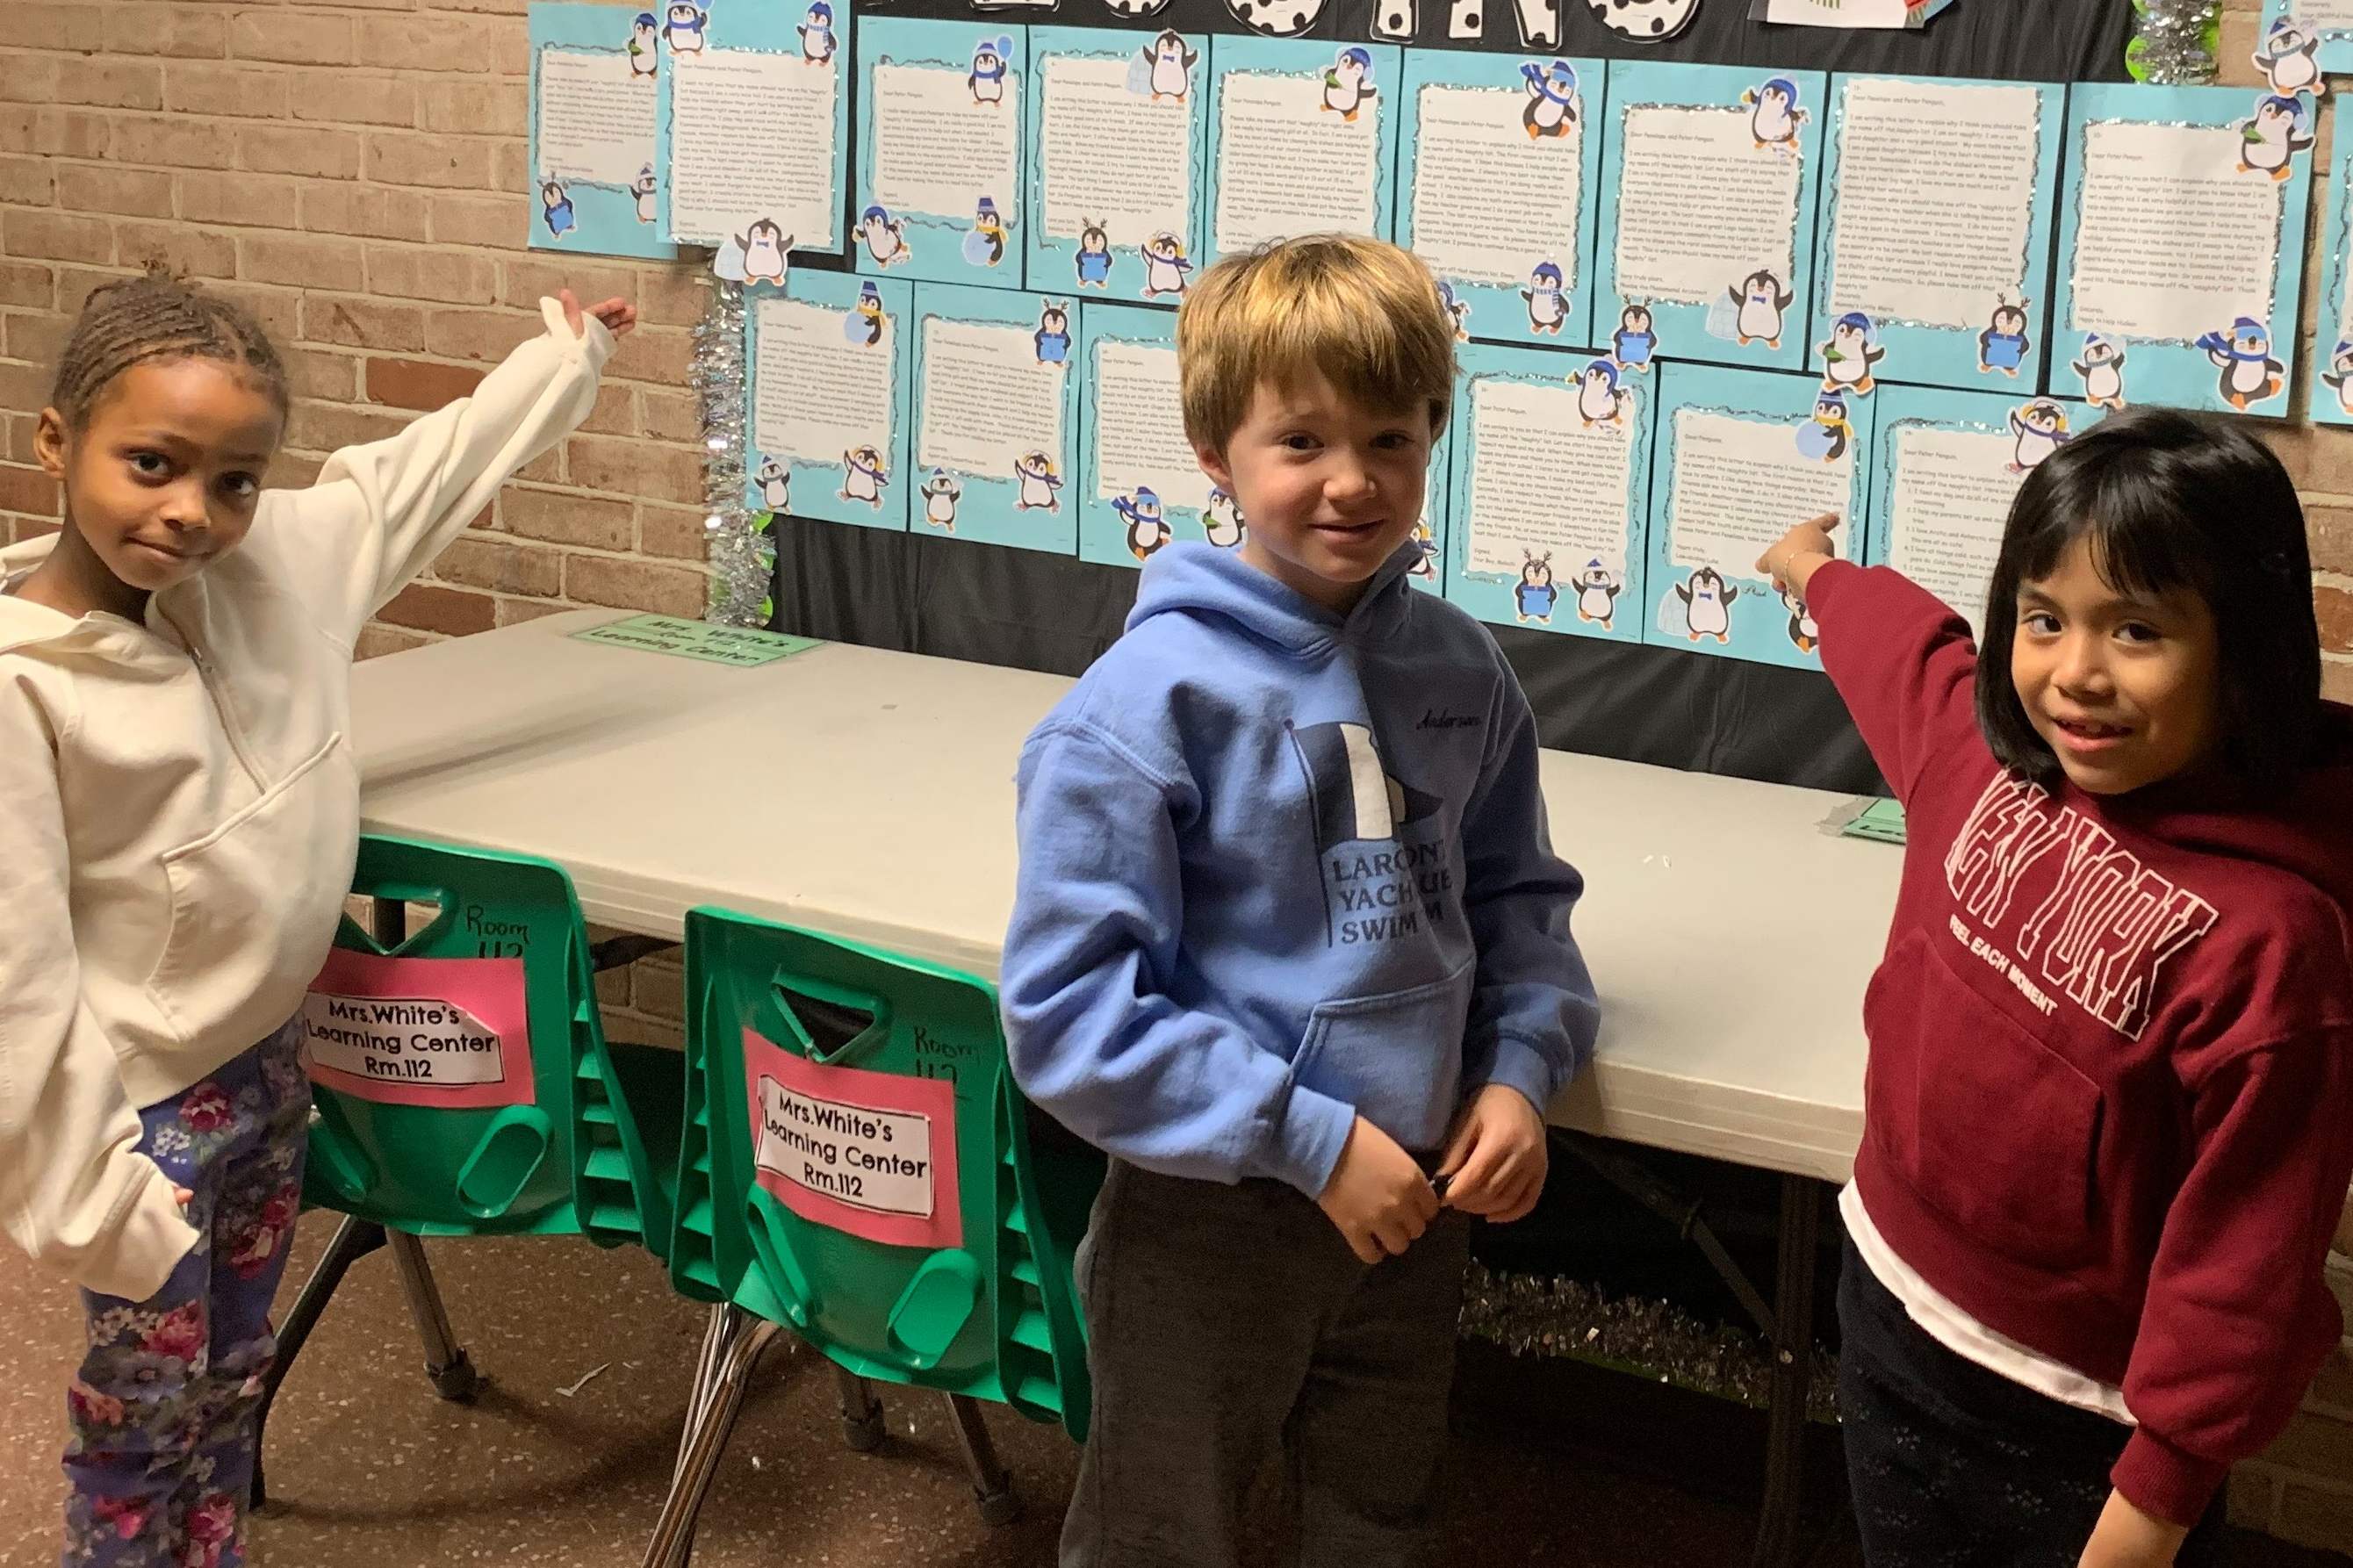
2109, 1111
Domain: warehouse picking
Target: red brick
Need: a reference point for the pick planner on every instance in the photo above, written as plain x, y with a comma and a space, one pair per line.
250, 201
360, 99
658, 991
28, 283
246, 91
514, 612
24, 386
669, 415
30, 79
499, 7
182, 31
304, 261
654, 354
28, 491
2333, 1385
436, 163
502, 566
293, 35
2314, 1445
376, 640
511, 167
77, 284
635, 468
182, 247
498, 222
2330, 530
450, 277
453, 612
674, 296
678, 532
595, 523
279, 310
2334, 608
25, 529
38, 339
636, 585
485, 335
56, 237
326, 427
414, 384
2327, 459
28, 182
547, 468
136, 193
19, 127
292, 471
328, 377
72, 133
368, 212
475, 106
110, 84
2337, 681
528, 280
18, 445
171, 142
286, 150
361, 323
615, 413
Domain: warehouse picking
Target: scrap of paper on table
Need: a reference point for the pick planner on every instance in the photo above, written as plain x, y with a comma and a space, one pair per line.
1498, 180
1119, 138
1940, 281
942, 169
1301, 139
831, 367
597, 90
1739, 458
2181, 247
1946, 466
1707, 208
996, 418
1551, 491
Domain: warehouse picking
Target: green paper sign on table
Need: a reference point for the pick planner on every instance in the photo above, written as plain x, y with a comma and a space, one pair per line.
1881, 821
739, 646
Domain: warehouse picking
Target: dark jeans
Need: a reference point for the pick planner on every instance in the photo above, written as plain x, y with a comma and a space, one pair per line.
1954, 1465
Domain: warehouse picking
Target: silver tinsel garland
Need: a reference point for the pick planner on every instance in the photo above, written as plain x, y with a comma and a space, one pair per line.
1531, 1316
743, 557
2174, 41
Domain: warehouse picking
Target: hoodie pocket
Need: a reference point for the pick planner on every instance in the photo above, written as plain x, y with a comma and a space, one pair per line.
1397, 1057
1990, 1127
254, 901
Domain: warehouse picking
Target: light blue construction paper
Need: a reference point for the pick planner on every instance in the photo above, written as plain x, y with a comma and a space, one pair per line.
2274, 48
2332, 372
989, 504
946, 246
819, 480
1305, 61
605, 218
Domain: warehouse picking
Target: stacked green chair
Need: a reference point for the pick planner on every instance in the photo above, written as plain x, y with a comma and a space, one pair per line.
993, 1319
594, 1154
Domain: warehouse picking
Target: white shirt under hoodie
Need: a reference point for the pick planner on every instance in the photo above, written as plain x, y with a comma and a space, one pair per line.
179, 806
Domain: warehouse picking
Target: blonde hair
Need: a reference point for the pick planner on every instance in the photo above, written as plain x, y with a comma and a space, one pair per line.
1361, 312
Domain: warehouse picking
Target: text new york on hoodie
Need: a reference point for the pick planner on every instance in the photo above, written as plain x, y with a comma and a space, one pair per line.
1280, 869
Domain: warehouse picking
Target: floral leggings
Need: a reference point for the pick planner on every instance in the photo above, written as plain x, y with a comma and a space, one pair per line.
161, 1411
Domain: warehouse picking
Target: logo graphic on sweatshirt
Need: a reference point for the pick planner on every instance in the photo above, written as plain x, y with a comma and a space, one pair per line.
2104, 927
1384, 868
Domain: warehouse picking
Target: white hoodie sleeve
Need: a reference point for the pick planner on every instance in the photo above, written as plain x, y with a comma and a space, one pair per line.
380, 514
75, 1194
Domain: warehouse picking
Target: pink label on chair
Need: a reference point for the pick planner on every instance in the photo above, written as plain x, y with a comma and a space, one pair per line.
451, 1032
871, 1154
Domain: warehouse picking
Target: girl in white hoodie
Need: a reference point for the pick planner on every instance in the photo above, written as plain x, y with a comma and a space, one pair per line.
179, 814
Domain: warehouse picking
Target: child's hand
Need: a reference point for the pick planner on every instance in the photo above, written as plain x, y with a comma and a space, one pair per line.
2127, 1538
1378, 1195
1791, 563
618, 315
1494, 1164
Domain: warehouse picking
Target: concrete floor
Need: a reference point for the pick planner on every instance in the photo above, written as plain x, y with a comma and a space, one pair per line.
1552, 1463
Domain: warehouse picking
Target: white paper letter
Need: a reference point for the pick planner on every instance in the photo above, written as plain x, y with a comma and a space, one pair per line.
986, 399
1124, 159
1700, 206
751, 137
936, 150
1288, 165
596, 122
1139, 423
1489, 201
2173, 239
1543, 480
1953, 491
818, 394
1740, 485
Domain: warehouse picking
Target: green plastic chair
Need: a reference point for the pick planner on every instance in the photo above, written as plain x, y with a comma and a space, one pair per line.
994, 1318
595, 1153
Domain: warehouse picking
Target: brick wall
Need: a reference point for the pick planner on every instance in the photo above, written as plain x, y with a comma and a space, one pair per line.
355, 173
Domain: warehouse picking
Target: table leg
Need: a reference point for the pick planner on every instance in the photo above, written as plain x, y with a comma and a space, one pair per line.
1793, 1357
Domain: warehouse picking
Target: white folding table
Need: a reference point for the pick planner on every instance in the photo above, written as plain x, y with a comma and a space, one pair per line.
870, 795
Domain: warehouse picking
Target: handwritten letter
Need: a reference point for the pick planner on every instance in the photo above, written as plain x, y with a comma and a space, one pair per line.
936, 150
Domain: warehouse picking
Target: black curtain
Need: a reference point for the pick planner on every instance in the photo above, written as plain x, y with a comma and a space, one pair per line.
996, 605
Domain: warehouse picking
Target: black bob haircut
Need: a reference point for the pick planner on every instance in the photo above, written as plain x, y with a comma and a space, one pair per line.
2171, 502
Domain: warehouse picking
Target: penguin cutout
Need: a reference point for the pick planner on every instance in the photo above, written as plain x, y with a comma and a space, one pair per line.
1147, 531
1759, 300
2289, 57
816, 30
1393, 20
1539, 23
1458, 310
1348, 82
1828, 435
2038, 429
1554, 108
1636, 339
1598, 588
885, 236
1850, 355
2005, 343
646, 189
985, 246
2250, 374
2271, 137
759, 254
775, 485
1165, 267
1037, 483
555, 207
1600, 400
2101, 368
1645, 21
940, 495
645, 46
1053, 334
864, 477
1425, 566
684, 28
1803, 631
1707, 605
1223, 520
1547, 300
1276, 18
862, 323
986, 78
1775, 115
1533, 597
2339, 375
1094, 255
1131, 9
1163, 68
1466, 19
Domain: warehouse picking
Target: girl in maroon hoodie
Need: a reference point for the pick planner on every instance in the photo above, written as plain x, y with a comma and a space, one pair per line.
2108, 1122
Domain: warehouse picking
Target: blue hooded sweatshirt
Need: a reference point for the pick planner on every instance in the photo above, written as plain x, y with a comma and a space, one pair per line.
1280, 869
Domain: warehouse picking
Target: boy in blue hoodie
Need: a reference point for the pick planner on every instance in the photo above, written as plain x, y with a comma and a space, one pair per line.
1291, 945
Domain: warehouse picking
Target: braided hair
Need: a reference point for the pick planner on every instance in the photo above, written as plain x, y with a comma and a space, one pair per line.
155, 316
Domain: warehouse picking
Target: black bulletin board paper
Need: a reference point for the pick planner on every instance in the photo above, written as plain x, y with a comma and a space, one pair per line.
1034, 611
